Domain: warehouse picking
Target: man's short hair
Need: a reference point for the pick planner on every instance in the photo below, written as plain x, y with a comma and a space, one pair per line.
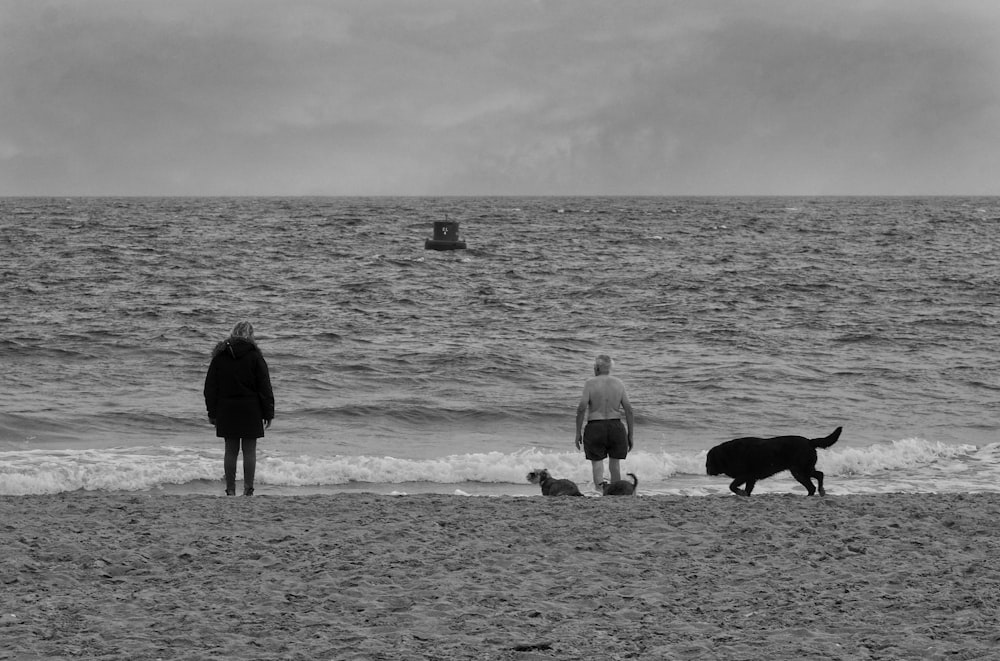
603, 363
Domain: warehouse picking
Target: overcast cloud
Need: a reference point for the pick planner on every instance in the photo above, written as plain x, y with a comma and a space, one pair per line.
413, 97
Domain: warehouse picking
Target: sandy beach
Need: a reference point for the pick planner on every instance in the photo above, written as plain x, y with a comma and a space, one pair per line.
359, 576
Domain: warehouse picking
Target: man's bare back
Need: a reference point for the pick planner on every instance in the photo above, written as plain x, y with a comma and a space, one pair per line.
604, 395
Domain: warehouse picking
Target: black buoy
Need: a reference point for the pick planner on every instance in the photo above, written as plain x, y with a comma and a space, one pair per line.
445, 236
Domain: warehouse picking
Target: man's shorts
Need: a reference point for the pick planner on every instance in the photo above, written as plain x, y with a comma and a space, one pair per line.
605, 438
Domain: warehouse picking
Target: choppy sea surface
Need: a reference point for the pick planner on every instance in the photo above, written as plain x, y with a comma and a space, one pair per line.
399, 369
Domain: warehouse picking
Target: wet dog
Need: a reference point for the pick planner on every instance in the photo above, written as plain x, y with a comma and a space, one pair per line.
621, 487
551, 486
748, 460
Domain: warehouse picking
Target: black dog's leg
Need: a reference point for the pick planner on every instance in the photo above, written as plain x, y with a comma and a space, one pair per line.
735, 486
803, 479
819, 480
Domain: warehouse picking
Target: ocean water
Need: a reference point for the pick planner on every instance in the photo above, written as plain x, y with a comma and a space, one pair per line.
398, 369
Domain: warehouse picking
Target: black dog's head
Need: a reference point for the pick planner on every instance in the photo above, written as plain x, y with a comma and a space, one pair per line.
714, 464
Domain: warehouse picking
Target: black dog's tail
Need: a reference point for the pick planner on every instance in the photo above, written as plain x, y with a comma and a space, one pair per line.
635, 480
828, 441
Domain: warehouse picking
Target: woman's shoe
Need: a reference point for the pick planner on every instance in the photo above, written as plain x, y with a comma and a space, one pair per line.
248, 491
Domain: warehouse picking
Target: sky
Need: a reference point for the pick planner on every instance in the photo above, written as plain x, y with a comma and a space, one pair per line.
499, 97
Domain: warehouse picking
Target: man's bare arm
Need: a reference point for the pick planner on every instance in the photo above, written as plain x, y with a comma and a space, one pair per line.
629, 418
581, 415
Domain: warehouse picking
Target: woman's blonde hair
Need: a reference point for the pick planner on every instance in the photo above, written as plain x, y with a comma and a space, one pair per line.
243, 330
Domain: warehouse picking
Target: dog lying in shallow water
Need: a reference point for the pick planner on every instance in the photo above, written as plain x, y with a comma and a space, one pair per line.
748, 460
551, 486
621, 487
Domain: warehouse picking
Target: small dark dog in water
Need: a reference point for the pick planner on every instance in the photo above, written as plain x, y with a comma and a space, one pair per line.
621, 487
552, 486
747, 460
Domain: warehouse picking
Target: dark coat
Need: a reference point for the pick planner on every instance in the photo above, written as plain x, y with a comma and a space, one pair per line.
238, 392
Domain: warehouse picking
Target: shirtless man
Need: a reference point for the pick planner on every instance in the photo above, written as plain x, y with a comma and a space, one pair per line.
602, 403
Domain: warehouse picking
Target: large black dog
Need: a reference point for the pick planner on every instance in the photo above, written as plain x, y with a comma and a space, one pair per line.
747, 460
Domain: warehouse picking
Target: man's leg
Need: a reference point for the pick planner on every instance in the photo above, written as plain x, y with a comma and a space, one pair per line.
597, 466
615, 468
617, 445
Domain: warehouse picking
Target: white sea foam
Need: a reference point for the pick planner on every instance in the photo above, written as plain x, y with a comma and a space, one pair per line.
911, 453
904, 465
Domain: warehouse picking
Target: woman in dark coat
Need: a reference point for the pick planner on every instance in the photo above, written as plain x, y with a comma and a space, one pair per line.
240, 401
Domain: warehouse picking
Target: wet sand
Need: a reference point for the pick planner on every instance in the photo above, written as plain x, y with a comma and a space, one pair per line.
361, 576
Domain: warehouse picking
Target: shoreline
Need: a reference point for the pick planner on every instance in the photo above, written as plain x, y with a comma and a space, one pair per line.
679, 487
368, 576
